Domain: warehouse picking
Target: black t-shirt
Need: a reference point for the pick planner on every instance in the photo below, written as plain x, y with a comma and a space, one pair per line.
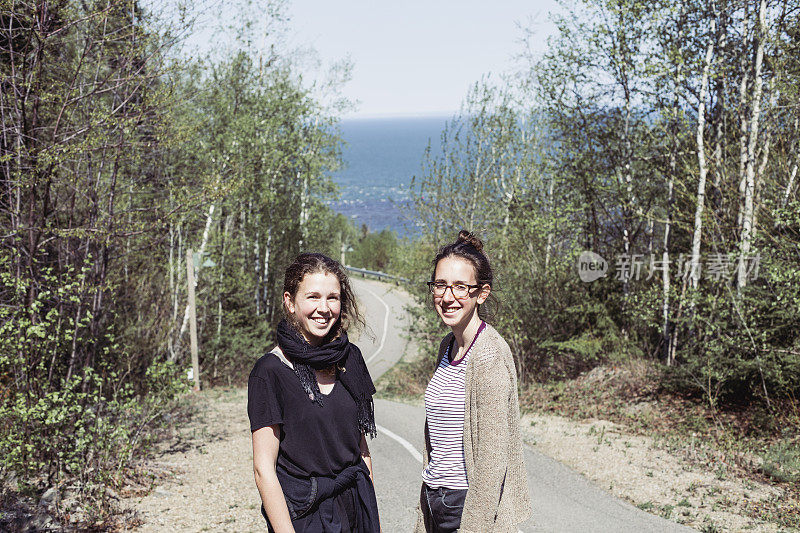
315, 440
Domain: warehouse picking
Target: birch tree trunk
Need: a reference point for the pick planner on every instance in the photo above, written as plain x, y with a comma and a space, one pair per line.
173, 283
509, 191
789, 185
701, 162
625, 68
548, 250
257, 272
666, 331
628, 202
178, 278
665, 274
743, 115
720, 92
220, 280
475, 187
265, 274
303, 210
762, 166
750, 167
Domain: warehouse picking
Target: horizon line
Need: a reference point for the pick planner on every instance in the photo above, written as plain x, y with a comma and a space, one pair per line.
412, 114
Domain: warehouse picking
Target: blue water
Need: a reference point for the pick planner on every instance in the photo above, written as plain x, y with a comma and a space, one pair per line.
381, 156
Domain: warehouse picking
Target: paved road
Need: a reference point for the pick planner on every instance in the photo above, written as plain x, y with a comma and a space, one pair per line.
563, 501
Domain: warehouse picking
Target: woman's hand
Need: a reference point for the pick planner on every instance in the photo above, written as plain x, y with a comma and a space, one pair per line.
266, 441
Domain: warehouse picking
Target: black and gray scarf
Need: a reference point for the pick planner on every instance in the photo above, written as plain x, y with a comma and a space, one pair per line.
341, 352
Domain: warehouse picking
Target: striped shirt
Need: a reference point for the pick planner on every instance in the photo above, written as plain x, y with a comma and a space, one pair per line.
444, 409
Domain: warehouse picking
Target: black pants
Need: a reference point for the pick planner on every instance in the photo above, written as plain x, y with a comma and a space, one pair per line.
442, 508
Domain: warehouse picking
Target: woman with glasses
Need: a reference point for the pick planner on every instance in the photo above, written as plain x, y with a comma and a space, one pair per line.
473, 474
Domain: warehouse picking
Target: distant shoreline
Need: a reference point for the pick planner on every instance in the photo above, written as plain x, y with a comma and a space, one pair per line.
444, 115
381, 156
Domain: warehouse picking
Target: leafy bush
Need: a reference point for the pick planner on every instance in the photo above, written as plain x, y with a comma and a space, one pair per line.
747, 345
79, 437
60, 428
406, 379
375, 251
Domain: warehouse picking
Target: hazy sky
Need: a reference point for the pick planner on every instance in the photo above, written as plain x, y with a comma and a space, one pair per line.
417, 56
414, 57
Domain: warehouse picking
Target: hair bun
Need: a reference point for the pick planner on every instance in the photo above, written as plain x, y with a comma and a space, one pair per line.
468, 238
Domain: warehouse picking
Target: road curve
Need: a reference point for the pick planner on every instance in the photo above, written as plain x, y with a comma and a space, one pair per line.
563, 501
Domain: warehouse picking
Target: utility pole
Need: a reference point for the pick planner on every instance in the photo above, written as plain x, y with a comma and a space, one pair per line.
192, 317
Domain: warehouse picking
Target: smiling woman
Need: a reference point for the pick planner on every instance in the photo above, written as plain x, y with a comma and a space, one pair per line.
472, 480
310, 408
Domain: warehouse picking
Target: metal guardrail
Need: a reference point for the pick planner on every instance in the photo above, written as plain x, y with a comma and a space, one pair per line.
377, 274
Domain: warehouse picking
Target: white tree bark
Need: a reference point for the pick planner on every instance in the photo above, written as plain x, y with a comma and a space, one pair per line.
673, 168
172, 288
694, 268
720, 85
743, 118
629, 201
265, 274
750, 167
665, 300
256, 269
225, 232
762, 166
303, 210
790, 185
773, 99
548, 251
473, 203
509, 186
793, 173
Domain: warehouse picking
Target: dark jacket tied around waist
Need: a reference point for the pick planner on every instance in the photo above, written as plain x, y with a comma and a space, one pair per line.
317, 495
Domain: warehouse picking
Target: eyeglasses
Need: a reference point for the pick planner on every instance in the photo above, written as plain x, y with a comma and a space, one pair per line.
459, 290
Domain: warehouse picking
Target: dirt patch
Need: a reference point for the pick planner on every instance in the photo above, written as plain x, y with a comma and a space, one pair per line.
669, 454
207, 473
643, 471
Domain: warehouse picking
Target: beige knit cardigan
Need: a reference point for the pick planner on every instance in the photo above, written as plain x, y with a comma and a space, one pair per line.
498, 498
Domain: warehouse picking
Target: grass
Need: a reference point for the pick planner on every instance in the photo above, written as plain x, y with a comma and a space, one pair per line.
781, 511
782, 462
406, 380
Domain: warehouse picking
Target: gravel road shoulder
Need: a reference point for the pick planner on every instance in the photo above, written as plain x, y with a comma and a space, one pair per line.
211, 487
646, 473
